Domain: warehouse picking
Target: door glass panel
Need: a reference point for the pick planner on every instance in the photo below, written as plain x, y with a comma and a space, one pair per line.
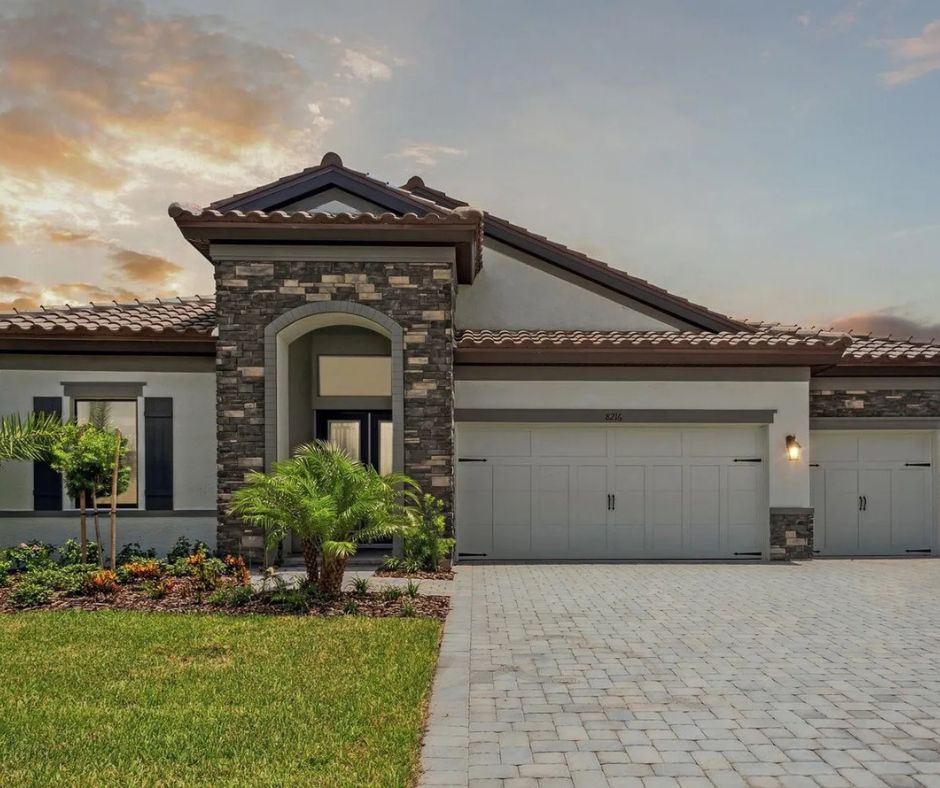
385, 447
345, 435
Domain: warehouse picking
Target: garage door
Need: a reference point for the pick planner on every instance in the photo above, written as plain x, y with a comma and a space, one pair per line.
576, 492
871, 492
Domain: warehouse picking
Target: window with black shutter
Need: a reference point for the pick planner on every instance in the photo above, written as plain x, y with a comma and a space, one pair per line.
158, 450
47, 484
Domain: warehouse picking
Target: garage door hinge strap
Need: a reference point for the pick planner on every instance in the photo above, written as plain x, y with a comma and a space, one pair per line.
747, 459
917, 464
471, 459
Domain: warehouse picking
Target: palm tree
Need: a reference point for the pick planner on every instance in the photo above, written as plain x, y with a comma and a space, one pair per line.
332, 502
27, 438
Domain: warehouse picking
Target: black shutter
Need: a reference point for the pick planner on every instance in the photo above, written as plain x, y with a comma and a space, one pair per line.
158, 445
47, 484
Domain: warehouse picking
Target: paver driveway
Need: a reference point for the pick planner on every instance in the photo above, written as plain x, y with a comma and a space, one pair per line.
825, 673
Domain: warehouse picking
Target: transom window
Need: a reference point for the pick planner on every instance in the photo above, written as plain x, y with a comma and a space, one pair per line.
355, 376
115, 415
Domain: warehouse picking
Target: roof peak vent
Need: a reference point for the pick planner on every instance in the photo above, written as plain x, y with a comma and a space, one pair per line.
331, 159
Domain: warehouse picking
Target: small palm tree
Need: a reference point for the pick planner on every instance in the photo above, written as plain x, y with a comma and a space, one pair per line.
27, 438
332, 502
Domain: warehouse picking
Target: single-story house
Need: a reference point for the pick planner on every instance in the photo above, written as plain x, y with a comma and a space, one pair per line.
562, 408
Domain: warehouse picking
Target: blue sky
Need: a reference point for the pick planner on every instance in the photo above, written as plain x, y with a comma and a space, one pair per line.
769, 159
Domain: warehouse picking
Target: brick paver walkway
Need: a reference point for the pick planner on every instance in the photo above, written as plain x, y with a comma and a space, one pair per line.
826, 673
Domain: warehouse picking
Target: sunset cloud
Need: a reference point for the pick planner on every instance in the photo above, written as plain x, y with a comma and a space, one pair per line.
23, 295
361, 66
916, 56
426, 154
888, 321
147, 269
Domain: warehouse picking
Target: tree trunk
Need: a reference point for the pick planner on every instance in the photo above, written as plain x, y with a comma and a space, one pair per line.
114, 485
83, 527
94, 512
310, 560
331, 576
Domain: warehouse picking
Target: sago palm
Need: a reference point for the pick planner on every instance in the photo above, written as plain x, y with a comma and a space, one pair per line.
28, 438
332, 502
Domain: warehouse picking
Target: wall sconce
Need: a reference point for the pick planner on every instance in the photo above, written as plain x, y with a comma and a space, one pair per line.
793, 448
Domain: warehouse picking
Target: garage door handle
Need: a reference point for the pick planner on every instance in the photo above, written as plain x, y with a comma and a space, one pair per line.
917, 464
608, 502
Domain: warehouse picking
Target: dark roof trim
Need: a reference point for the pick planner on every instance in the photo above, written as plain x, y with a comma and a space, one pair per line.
593, 270
133, 344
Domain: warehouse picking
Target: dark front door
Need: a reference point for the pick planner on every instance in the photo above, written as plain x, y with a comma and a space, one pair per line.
366, 435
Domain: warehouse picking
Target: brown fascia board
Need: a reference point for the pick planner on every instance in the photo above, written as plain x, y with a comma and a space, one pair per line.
135, 344
581, 265
648, 357
877, 369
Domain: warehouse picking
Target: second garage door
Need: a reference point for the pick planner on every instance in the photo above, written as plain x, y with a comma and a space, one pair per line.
576, 492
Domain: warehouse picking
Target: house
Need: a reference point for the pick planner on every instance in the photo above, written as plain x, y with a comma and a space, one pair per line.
562, 408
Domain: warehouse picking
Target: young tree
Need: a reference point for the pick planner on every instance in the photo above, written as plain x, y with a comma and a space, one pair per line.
332, 502
85, 456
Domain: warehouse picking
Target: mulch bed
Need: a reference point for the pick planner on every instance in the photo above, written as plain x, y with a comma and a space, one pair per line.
415, 575
183, 599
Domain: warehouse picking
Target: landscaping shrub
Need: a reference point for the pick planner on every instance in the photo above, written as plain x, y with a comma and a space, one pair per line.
408, 609
235, 568
360, 586
412, 588
391, 593
158, 589
146, 569
69, 580
70, 553
30, 594
424, 546
231, 596
104, 581
6, 567
183, 548
29, 555
132, 551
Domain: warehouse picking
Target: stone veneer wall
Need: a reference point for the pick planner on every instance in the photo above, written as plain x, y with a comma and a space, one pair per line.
874, 402
249, 295
791, 534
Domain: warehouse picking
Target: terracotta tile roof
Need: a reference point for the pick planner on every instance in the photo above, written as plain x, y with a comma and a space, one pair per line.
167, 318
573, 339
186, 213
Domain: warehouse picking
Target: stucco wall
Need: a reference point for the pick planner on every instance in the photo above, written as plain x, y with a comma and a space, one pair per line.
512, 292
193, 396
789, 481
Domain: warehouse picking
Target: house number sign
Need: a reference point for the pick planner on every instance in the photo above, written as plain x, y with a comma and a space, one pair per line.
613, 415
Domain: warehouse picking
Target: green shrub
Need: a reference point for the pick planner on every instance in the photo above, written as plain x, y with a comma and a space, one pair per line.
30, 594
412, 588
183, 548
231, 596
424, 546
29, 555
360, 586
350, 607
70, 553
391, 593
132, 551
408, 609
69, 580
6, 567
297, 600
157, 589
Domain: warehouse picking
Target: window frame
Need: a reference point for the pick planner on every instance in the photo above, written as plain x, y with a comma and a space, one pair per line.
136, 467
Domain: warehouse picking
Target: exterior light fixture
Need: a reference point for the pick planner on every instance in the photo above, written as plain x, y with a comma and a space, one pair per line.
793, 448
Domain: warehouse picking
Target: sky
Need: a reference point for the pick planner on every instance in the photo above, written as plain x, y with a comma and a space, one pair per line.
769, 159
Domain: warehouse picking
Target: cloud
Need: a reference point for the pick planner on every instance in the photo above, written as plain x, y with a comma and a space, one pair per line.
915, 56
24, 295
145, 268
887, 321
426, 154
804, 19
361, 66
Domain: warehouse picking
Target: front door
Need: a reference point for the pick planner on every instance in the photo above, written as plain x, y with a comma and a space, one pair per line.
366, 435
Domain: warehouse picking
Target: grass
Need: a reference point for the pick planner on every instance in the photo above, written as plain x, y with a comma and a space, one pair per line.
125, 698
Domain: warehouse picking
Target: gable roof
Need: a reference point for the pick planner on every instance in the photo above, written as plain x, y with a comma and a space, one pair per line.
415, 196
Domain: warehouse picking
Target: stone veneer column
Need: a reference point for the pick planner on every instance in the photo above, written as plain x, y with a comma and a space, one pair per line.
791, 534
249, 295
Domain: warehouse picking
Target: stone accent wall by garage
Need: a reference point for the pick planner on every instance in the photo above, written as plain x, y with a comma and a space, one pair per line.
874, 402
249, 295
791, 534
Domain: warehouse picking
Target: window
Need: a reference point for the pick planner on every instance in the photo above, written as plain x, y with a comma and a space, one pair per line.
115, 415
355, 376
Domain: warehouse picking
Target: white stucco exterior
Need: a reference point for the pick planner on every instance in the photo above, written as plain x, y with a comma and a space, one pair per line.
194, 455
513, 290
788, 481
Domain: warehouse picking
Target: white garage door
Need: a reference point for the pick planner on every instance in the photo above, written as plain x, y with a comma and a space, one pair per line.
576, 492
871, 492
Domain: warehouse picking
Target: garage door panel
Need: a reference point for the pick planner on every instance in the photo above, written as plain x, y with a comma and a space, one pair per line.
589, 513
842, 506
646, 443
626, 530
512, 495
910, 499
727, 442
475, 509
874, 520
551, 522
833, 447
667, 509
885, 447
496, 442
702, 535
744, 496
567, 442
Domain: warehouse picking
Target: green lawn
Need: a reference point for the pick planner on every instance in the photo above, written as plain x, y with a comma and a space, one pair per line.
127, 698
